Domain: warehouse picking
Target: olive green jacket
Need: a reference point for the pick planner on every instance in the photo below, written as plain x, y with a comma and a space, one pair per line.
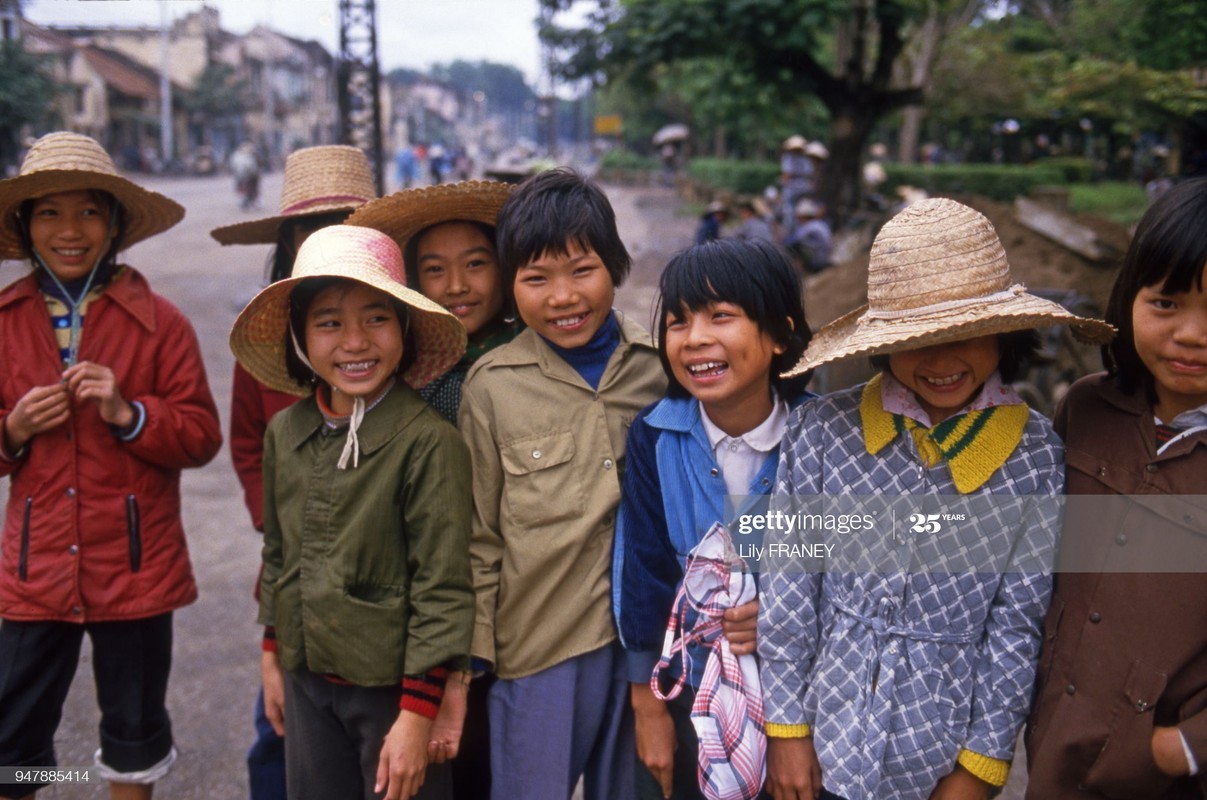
548, 453
366, 572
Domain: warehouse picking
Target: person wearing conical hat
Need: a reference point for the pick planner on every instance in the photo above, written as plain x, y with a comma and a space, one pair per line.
365, 586
322, 186
103, 401
908, 677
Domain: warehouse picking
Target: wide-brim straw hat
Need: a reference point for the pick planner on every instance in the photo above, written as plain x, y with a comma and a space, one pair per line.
795, 142
404, 214
69, 162
318, 180
258, 338
938, 274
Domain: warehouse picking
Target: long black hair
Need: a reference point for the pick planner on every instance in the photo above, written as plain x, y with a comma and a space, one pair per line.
1170, 249
754, 275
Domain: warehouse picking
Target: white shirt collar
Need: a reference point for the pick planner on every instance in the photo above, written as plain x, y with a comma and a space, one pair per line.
764, 438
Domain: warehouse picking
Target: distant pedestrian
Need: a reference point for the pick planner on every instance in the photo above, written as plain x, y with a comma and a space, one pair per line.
811, 241
755, 221
246, 168
406, 167
103, 402
709, 227
796, 176
322, 186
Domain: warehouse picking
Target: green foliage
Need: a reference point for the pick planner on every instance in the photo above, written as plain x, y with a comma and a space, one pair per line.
502, 85
27, 89
1073, 168
1001, 182
218, 93
1123, 202
742, 177
627, 159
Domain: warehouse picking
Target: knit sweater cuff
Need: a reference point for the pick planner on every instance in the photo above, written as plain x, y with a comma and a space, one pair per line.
992, 771
269, 643
423, 693
777, 731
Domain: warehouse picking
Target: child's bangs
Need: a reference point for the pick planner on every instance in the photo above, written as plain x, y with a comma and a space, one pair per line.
696, 279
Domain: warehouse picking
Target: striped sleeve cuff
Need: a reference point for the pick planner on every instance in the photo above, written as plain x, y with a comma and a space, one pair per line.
269, 643
992, 771
131, 432
777, 731
422, 693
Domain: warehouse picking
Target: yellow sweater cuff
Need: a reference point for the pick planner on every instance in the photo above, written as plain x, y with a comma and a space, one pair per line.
777, 731
991, 770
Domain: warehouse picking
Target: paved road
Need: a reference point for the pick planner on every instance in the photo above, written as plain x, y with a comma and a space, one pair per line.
216, 667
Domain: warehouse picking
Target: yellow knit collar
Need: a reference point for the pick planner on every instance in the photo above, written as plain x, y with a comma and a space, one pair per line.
974, 444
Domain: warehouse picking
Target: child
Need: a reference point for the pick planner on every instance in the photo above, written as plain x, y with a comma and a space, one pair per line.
365, 583
545, 417
1121, 705
730, 320
103, 401
322, 186
902, 682
447, 236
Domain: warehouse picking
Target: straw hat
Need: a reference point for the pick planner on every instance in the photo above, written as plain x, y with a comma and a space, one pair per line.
68, 162
404, 214
361, 254
817, 150
795, 142
808, 208
938, 274
318, 180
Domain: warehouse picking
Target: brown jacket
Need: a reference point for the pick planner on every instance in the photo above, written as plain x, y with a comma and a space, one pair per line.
1123, 651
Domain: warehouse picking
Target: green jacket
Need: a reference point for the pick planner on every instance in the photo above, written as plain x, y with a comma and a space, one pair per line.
366, 570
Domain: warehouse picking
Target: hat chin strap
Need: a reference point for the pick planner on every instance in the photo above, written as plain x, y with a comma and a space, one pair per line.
351, 449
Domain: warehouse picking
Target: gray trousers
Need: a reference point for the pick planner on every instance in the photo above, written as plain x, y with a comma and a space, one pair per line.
333, 738
567, 722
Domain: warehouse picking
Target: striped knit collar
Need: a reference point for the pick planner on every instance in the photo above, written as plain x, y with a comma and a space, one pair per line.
974, 443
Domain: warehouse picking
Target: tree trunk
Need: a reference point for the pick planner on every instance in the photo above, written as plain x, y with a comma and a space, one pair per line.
841, 187
910, 133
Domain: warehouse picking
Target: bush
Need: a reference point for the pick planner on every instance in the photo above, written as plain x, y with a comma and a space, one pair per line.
1120, 201
740, 177
626, 159
1002, 182
1075, 169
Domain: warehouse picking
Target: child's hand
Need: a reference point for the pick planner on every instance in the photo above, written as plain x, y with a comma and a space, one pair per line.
96, 382
41, 409
403, 760
792, 769
740, 626
656, 742
273, 679
960, 784
445, 740
1168, 753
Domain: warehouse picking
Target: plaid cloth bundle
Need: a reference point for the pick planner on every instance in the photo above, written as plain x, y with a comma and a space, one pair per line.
728, 710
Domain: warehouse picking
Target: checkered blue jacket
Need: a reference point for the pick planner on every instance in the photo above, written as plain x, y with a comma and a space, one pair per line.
897, 671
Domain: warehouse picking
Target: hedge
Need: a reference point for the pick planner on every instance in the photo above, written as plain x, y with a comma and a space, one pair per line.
742, 177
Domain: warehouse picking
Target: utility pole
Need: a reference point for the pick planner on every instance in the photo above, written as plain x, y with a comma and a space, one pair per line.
165, 89
359, 80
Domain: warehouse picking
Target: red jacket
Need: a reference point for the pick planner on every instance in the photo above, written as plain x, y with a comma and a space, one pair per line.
252, 405
92, 530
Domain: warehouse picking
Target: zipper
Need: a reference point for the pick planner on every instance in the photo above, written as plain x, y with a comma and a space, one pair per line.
135, 535
23, 560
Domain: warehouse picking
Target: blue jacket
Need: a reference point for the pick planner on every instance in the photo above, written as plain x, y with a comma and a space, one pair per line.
673, 493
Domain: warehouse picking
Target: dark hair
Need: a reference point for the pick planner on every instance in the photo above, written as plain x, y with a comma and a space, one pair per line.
754, 275
1016, 351
280, 261
99, 196
549, 211
1169, 248
300, 299
411, 255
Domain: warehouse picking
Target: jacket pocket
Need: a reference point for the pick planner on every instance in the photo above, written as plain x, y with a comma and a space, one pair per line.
542, 484
1124, 767
23, 555
134, 532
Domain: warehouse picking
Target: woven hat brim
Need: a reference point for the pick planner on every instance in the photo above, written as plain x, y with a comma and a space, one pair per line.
147, 212
257, 338
267, 229
403, 214
859, 334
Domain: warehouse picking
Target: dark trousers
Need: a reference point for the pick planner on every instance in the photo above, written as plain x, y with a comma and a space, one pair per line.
131, 661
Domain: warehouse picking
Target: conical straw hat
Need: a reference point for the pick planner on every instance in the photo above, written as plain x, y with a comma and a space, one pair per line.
258, 338
938, 273
318, 180
68, 162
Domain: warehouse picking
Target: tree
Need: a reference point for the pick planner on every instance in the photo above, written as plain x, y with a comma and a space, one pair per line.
502, 85
27, 90
783, 45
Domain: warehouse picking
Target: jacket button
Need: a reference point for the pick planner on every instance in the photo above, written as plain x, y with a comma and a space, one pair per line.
1121, 539
766, 481
1152, 468
714, 472
1070, 689
1102, 472
77, 610
71, 491
73, 549
607, 464
536, 453
1095, 617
